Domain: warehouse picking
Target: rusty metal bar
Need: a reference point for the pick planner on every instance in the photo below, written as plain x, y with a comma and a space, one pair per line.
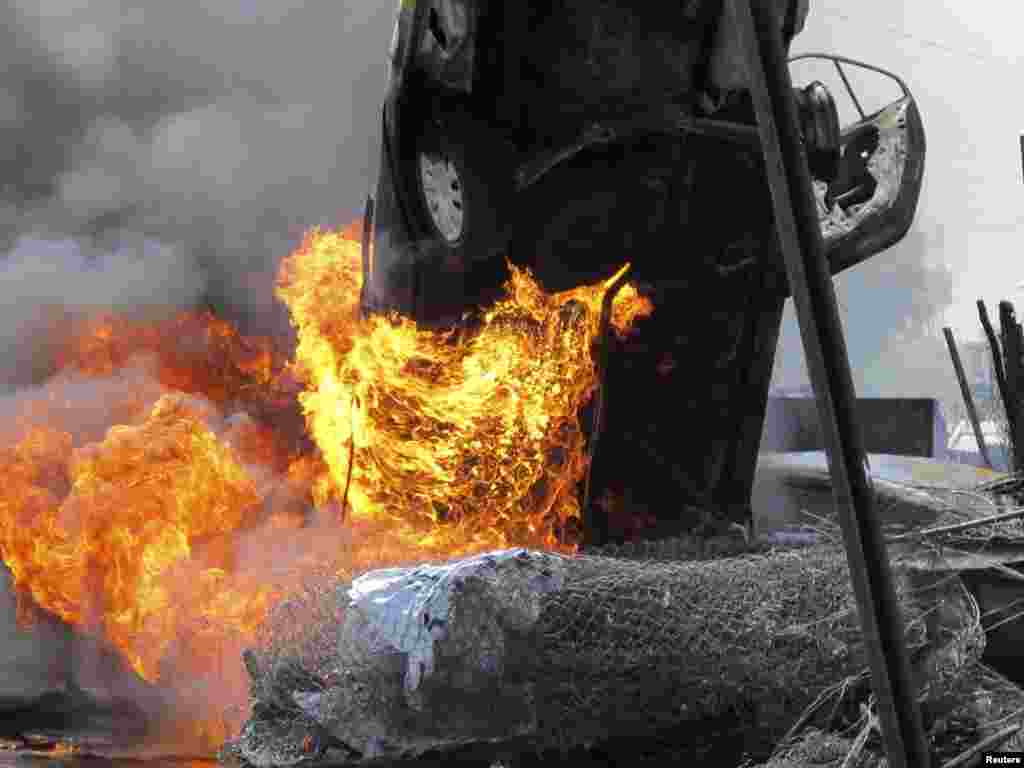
849, 89
972, 412
856, 63
1013, 351
810, 281
595, 531
997, 357
366, 243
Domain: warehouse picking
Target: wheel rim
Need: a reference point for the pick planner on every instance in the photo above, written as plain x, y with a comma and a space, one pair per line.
442, 193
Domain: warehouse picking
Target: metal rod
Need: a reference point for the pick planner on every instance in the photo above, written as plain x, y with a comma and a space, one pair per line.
990, 743
997, 357
1013, 514
965, 390
593, 534
855, 63
366, 243
1014, 402
351, 457
810, 281
849, 88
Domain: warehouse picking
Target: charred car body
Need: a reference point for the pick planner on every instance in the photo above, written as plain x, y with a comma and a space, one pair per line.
572, 136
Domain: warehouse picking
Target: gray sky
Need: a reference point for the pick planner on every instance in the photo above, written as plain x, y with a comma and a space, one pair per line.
963, 61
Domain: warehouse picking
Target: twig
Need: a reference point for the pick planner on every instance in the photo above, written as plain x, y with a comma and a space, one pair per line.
835, 691
1007, 571
998, 567
351, 456
830, 525
861, 740
973, 495
1007, 620
832, 692
992, 741
797, 629
1005, 485
1012, 716
1015, 514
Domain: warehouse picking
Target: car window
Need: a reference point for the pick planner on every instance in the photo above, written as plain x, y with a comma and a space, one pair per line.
872, 90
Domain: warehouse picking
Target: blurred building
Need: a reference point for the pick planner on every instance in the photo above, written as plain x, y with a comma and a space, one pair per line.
978, 369
901, 426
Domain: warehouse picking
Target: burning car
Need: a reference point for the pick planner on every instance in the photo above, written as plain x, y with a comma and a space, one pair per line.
570, 138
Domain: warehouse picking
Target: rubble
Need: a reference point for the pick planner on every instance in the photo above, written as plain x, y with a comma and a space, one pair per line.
980, 711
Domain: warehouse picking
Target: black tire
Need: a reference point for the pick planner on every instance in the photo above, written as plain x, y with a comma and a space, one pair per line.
462, 178
819, 124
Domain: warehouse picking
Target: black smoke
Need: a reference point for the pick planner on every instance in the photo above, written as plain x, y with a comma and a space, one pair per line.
169, 154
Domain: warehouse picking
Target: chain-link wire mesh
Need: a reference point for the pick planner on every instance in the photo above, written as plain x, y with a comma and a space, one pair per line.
629, 645
619, 650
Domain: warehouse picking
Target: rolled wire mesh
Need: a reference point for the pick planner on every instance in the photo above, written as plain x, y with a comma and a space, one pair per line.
633, 645
625, 648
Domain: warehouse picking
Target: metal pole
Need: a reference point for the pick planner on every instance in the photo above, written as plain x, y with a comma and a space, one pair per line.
997, 360
1013, 349
965, 390
366, 243
810, 282
1022, 152
595, 524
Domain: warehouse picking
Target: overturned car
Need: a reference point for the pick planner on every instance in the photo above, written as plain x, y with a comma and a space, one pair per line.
572, 137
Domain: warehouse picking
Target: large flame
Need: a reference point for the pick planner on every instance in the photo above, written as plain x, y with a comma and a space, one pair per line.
464, 442
157, 494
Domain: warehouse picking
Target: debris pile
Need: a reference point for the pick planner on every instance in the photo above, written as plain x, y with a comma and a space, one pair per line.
549, 651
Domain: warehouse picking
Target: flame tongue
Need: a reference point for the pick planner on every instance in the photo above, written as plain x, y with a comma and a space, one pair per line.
143, 503
137, 503
464, 443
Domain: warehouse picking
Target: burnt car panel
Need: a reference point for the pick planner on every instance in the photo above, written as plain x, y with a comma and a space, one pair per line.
447, 47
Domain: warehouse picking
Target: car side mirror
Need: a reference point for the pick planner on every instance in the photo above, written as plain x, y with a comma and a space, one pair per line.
870, 203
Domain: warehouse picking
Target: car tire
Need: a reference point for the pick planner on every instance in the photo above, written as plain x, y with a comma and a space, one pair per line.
462, 173
819, 125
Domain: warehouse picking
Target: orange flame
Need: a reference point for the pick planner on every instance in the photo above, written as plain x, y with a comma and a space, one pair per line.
462, 442
148, 483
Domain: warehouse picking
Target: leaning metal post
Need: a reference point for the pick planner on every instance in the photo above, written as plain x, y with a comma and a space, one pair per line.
595, 533
366, 243
997, 362
1013, 349
813, 294
965, 391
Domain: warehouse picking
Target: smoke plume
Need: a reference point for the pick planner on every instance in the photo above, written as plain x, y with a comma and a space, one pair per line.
891, 308
165, 154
